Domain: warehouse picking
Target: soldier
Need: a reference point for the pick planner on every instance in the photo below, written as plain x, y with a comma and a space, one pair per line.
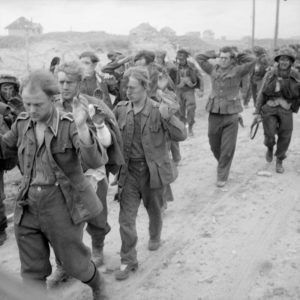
93, 84
279, 97
55, 199
186, 82
169, 70
116, 68
70, 76
224, 104
145, 126
259, 71
10, 106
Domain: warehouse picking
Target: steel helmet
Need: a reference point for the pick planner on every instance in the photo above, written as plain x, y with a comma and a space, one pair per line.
6, 78
289, 52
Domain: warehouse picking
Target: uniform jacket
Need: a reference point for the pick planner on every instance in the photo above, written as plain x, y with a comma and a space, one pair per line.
224, 97
289, 91
100, 92
9, 110
155, 134
65, 154
190, 71
114, 151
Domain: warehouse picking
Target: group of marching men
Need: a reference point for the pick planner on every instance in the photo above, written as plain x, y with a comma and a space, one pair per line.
69, 128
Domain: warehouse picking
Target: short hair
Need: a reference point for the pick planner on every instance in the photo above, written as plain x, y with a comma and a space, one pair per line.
139, 73
41, 80
113, 53
55, 61
94, 58
184, 52
72, 68
149, 56
227, 49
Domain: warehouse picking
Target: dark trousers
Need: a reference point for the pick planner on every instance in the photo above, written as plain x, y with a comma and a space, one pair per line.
187, 105
222, 134
3, 220
277, 120
137, 187
245, 90
98, 226
255, 87
46, 220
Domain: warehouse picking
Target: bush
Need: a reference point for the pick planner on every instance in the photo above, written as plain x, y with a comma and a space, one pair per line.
12, 42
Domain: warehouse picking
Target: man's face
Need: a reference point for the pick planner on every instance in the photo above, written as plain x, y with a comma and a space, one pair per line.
135, 91
38, 105
284, 62
224, 59
88, 66
7, 90
181, 58
68, 86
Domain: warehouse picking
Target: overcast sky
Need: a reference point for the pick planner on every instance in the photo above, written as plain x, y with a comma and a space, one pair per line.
230, 18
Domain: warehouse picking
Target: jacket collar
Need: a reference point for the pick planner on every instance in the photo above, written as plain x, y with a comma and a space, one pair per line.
293, 73
52, 122
146, 109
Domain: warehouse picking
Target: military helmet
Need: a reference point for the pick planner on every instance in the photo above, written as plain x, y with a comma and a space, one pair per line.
289, 52
6, 78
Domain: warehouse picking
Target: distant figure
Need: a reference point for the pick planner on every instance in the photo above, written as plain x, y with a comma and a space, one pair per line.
93, 84
259, 71
186, 83
54, 64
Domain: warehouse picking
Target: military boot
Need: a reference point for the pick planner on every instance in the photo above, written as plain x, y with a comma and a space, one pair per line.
98, 286
269, 154
59, 276
97, 246
279, 167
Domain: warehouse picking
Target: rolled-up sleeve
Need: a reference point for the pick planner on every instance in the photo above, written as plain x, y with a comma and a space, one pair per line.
206, 66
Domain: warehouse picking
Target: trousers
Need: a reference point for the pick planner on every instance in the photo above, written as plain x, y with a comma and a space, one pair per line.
98, 226
222, 135
187, 105
137, 187
277, 120
3, 220
46, 220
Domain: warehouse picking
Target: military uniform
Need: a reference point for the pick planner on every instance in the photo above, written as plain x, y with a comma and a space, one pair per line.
95, 86
279, 97
224, 106
98, 226
146, 171
54, 195
9, 110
